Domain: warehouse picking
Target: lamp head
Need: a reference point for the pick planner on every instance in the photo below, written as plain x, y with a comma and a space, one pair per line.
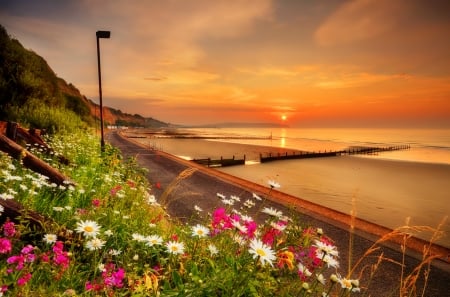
103, 34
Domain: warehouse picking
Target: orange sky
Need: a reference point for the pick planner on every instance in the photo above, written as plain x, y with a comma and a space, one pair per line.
320, 63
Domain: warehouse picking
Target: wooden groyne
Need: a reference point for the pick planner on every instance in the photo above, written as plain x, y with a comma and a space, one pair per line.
350, 151
220, 162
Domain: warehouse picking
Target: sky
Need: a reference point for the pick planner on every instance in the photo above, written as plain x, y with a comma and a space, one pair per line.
333, 63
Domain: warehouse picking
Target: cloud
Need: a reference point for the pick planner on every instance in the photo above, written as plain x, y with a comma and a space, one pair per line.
359, 20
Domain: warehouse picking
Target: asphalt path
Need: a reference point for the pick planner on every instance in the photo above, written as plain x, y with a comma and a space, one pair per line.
181, 185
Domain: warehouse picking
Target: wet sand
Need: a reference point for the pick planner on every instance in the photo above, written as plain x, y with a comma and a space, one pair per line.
381, 191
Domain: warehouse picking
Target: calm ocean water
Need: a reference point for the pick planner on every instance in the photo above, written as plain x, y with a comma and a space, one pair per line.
427, 145
386, 193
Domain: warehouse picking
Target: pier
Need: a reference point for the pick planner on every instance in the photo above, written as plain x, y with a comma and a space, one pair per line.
208, 162
357, 150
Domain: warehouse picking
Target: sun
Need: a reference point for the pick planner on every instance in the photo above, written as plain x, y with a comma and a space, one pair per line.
283, 117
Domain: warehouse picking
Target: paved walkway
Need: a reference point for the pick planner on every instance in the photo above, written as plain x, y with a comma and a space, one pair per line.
181, 185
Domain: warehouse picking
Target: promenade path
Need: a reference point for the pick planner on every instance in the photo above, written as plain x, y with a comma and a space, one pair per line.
181, 185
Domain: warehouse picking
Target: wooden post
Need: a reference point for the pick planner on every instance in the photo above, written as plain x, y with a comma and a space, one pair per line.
11, 130
31, 161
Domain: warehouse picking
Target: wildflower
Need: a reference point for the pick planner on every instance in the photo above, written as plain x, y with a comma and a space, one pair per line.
153, 240
114, 252
272, 212
136, 257
2, 209
138, 237
95, 244
197, 208
113, 278
61, 258
200, 231
285, 258
6, 196
108, 233
325, 248
273, 184
9, 229
50, 238
24, 279
151, 199
240, 227
251, 228
303, 271
321, 278
88, 228
174, 247
249, 203
221, 196
261, 251
330, 261
227, 201
96, 202
280, 226
257, 197
58, 208
235, 198
101, 267
334, 278
213, 249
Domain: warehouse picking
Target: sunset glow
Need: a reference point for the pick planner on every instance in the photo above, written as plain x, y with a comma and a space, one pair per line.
324, 64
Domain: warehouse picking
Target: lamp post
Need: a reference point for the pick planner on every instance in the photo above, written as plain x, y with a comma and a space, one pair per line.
101, 34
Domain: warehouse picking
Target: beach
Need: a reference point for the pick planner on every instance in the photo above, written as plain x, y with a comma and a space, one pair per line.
390, 193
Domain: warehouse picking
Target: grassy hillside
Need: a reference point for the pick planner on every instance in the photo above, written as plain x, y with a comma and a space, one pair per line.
32, 94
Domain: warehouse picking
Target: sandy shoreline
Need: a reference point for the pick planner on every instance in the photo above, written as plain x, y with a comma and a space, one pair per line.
381, 191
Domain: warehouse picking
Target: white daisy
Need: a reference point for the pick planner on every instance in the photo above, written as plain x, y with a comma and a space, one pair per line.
273, 184
108, 233
239, 226
304, 270
153, 240
200, 231
213, 250
262, 251
273, 212
325, 248
88, 228
235, 198
95, 244
138, 237
50, 238
174, 247
257, 197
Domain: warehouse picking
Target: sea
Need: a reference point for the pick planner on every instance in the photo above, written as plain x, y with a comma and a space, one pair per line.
427, 145
389, 194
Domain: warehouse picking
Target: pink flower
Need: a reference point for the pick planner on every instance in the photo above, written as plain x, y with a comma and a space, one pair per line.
96, 202
221, 220
5, 245
9, 229
61, 258
251, 228
24, 279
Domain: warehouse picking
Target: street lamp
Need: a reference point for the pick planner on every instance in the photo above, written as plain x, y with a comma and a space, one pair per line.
101, 34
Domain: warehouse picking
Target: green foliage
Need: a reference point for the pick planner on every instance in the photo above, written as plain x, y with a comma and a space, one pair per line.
23, 74
36, 114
